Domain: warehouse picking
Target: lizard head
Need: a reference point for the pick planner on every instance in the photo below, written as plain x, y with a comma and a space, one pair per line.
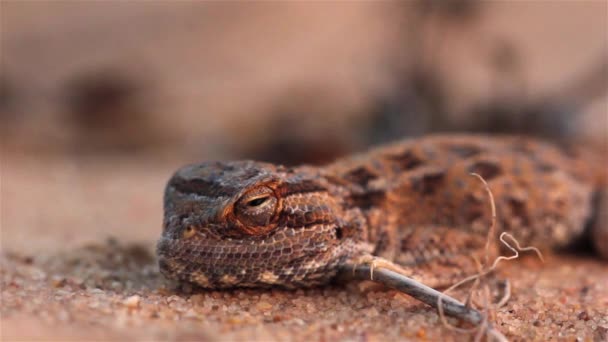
250, 224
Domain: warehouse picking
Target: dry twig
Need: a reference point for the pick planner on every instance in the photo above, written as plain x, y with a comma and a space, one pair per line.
484, 326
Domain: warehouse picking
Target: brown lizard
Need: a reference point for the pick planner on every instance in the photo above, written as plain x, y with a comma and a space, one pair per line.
413, 203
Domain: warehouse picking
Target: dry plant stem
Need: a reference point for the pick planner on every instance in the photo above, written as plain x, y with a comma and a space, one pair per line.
480, 273
415, 289
506, 296
487, 271
484, 326
492, 230
476, 283
423, 293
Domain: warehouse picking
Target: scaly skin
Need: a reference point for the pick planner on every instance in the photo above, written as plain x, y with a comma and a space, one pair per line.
251, 224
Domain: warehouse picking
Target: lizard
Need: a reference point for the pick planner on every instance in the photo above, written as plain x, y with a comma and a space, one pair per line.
411, 204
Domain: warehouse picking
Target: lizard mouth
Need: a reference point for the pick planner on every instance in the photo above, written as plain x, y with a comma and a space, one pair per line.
290, 258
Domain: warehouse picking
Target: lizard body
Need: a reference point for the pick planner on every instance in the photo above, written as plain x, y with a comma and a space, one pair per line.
252, 224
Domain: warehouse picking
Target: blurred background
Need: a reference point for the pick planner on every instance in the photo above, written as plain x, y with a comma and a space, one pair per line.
101, 101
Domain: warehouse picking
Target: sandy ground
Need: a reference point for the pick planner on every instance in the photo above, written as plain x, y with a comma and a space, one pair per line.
78, 263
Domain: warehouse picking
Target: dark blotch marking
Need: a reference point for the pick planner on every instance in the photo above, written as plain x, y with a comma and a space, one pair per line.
544, 167
383, 243
524, 148
304, 186
518, 209
360, 175
201, 187
486, 169
406, 160
464, 151
473, 208
568, 149
367, 200
429, 183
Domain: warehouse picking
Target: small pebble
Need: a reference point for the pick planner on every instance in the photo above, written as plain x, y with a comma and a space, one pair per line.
58, 281
263, 306
132, 302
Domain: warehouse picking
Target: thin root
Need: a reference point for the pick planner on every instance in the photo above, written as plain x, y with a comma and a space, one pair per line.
506, 296
485, 326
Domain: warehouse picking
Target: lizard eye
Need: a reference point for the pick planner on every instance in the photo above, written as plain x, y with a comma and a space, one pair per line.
257, 207
256, 202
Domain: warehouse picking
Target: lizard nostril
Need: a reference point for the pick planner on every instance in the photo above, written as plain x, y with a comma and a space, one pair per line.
339, 233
